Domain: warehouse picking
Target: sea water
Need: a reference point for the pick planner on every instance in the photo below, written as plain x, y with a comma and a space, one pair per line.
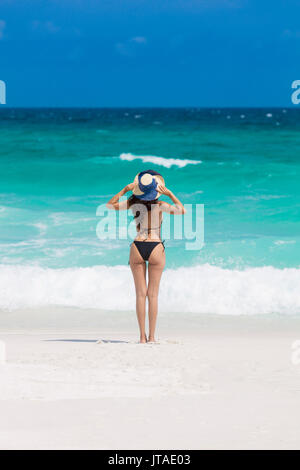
57, 166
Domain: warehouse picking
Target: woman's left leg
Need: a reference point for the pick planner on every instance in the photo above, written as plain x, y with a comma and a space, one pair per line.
156, 265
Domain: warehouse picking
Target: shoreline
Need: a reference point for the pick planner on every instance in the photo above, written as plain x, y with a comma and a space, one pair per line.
73, 319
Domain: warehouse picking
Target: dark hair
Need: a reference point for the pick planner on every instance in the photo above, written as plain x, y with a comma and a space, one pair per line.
135, 200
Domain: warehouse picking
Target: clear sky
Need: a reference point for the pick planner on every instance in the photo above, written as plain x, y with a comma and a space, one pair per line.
149, 52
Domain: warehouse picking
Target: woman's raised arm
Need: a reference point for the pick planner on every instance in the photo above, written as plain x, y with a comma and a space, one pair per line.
114, 203
177, 208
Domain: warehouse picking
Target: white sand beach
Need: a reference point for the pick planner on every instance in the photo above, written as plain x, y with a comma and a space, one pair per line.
212, 382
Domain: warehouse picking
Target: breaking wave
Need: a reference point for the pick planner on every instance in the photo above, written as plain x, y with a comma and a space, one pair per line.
198, 289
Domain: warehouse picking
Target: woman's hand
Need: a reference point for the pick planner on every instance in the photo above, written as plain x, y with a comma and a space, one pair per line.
163, 190
130, 186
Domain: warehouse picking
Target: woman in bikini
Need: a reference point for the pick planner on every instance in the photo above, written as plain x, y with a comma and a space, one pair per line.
147, 246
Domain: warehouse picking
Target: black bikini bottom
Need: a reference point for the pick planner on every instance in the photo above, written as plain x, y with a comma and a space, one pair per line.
146, 248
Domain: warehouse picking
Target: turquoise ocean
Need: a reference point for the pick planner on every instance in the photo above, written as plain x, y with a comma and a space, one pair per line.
57, 166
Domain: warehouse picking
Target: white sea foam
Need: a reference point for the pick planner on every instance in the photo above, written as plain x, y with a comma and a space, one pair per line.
42, 228
284, 242
199, 289
162, 161
266, 197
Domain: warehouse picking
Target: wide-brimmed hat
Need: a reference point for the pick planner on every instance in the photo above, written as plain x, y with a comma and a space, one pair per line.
146, 183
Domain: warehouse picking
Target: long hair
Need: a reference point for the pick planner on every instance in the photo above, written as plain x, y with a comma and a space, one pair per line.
133, 200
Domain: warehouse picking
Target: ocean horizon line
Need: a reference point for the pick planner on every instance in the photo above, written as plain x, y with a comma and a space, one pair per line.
5, 107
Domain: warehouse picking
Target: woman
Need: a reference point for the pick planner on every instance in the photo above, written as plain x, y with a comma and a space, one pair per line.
147, 246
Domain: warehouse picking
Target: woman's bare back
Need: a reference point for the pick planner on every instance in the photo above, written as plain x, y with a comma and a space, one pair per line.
148, 222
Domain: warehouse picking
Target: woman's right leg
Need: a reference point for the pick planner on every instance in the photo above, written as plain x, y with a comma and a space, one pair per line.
156, 265
138, 268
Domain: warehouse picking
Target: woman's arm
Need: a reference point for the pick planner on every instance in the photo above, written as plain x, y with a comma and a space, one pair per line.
177, 208
113, 203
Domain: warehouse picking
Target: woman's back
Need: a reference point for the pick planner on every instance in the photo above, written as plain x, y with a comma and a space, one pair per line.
148, 219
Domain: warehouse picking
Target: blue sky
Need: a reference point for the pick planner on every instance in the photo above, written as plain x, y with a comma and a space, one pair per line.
149, 52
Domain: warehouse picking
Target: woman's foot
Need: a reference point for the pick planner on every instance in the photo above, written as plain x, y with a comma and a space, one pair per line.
143, 339
151, 339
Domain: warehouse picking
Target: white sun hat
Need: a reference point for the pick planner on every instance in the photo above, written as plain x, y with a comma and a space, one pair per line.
146, 183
